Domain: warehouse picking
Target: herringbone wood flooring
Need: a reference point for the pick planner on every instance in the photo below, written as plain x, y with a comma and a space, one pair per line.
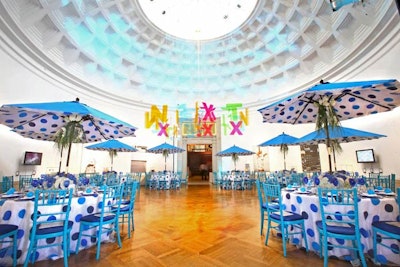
198, 225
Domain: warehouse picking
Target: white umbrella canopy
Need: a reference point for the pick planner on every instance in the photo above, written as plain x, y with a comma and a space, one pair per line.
346, 99
49, 120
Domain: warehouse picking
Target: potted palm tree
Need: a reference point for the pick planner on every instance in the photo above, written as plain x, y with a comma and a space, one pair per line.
235, 158
327, 118
284, 149
72, 132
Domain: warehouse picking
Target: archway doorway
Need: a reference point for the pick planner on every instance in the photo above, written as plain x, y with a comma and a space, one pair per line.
198, 154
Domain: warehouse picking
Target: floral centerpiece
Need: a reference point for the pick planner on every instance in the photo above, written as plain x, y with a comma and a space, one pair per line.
59, 181
340, 179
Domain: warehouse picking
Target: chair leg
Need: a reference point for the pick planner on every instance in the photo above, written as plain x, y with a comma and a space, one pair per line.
78, 241
325, 251
28, 255
305, 236
129, 225
262, 222
361, 253
267, 232
284, 231
15, 249
65, 249
118, 235
374, 245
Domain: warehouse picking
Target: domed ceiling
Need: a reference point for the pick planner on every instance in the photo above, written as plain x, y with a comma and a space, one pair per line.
252, 52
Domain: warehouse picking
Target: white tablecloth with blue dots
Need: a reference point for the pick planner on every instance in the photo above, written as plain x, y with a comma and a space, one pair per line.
369, 209
19, 213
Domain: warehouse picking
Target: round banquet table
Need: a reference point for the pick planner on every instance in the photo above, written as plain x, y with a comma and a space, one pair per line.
19, 212
369, 209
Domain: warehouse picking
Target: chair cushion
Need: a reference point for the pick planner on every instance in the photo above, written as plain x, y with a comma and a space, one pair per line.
48, 229
287, 216
7, 228
337, 229
388, 226
96, 217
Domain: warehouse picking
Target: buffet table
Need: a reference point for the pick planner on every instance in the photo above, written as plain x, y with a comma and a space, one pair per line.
18, 212
370, 209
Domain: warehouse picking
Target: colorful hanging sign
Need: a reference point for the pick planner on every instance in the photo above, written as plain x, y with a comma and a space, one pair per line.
201, 123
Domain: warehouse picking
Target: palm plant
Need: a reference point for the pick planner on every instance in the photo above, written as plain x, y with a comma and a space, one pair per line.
72, 132
235, 158
284, 149
327, 118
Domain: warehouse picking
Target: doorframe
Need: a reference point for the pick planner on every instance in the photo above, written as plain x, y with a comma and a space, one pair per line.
215, 141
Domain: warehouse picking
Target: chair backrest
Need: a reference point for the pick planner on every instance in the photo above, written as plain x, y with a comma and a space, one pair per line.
398, 197
51, 209
339, 207
260, 193
25, 181
387, 181
132, 189
112, 195
273, 199
7, 182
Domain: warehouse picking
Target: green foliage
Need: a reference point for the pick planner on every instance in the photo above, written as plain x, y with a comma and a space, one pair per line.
71, 133
165, 153
284, 148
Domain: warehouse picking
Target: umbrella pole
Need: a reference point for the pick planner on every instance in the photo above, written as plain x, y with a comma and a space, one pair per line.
165, 163
112, 160
59, 166
334, 158
69, 152
284, 160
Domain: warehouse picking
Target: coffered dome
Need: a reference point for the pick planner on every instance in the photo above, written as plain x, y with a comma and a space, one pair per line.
118, 50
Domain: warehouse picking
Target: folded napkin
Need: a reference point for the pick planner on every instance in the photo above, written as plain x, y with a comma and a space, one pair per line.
388, 190
103, 187
371, 192
379, 188
302, 189
88, 191
10, 191
29, 194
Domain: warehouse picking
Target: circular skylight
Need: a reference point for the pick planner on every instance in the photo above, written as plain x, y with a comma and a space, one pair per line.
197, 19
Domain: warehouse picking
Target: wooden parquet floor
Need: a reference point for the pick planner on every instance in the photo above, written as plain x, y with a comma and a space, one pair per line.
198, 225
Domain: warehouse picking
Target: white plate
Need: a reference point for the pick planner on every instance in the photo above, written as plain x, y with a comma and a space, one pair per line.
387, 194
303, 192
10, 196
290, 189
369, 195
26, 198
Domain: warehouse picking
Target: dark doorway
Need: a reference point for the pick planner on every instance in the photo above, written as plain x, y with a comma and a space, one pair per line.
196, 155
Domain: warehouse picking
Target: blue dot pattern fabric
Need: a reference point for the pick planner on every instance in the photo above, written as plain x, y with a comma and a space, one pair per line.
42, 121
370, 210
19, 213
352, 100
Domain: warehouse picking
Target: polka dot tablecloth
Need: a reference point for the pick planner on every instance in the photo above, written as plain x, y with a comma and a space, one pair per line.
19, 213
370, 210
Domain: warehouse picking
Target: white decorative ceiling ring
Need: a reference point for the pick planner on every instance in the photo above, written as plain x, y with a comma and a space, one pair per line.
112, 48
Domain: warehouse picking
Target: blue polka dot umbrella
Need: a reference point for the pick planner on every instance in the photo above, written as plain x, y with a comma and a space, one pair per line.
348, 100
352, 99
44, 121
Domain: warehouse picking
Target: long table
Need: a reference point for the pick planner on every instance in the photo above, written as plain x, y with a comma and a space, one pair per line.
19, 212
370, 209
